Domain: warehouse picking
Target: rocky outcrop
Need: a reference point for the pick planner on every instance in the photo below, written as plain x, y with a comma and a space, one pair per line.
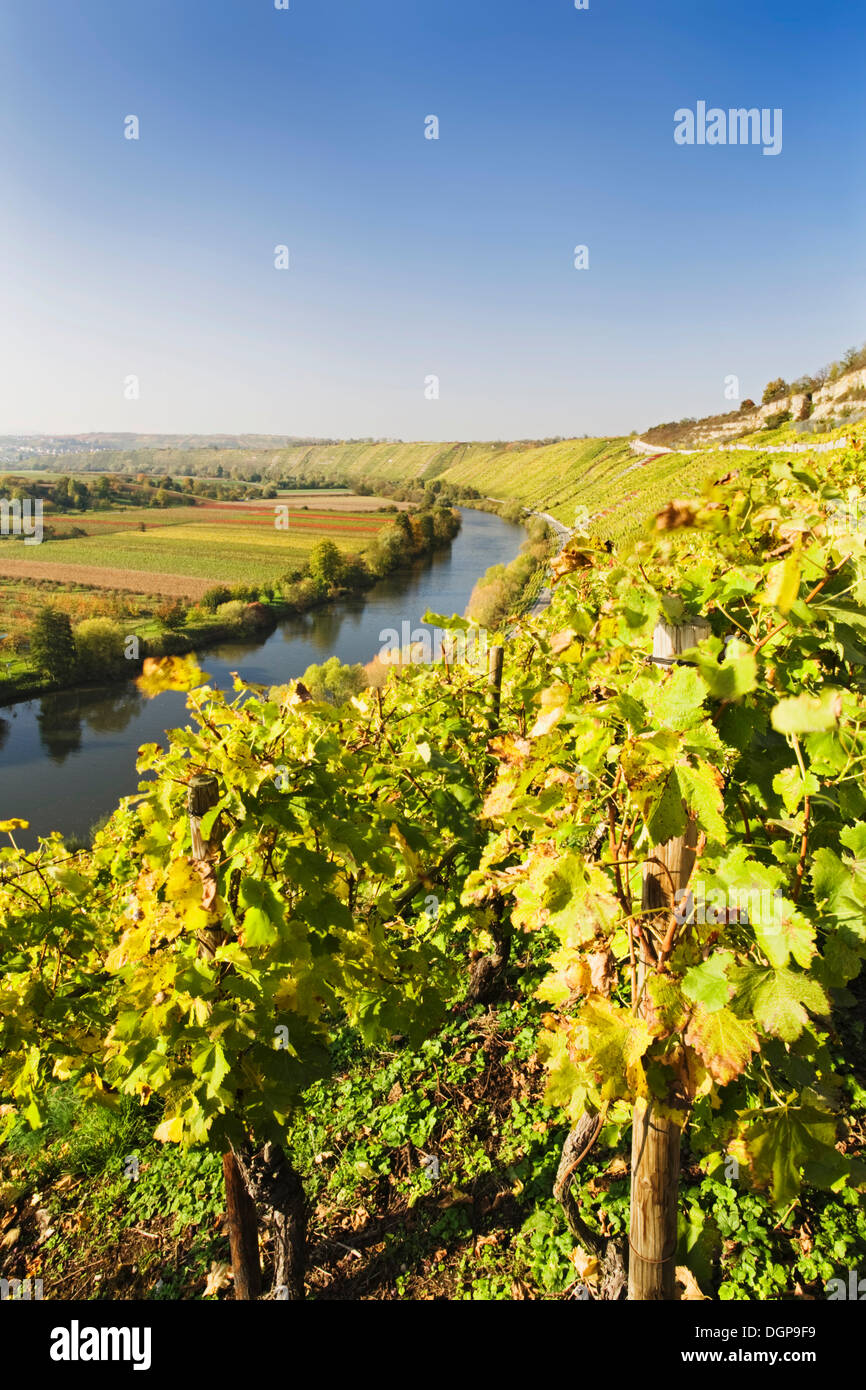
823, 404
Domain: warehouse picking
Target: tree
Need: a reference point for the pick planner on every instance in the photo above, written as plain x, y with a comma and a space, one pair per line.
447, 523
52, 647
427, 530
775, 390
60, 493
333, 682
388, 551
212, 598
326, 565
99, 647
80, 493
403, 528
172, 614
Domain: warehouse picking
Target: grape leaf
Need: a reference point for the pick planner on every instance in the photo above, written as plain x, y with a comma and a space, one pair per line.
612, 1041
723, 1041
707, 984
777, 999
779, 1143
805, 714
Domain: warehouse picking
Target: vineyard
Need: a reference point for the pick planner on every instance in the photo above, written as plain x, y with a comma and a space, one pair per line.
530, 980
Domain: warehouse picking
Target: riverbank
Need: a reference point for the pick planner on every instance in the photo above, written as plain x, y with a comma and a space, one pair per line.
103, 650
506, 589
68, 757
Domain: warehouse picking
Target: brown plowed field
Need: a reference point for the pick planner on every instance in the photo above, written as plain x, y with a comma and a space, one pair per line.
98, 577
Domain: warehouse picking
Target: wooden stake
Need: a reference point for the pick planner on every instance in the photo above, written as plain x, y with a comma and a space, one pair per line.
670, 641
655, 1149
655, 1176
494, 681
243, 1232
202, 794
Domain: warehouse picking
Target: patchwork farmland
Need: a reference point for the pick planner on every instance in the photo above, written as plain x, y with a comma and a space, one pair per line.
182, 552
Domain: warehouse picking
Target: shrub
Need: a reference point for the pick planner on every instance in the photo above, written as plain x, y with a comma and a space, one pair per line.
168, 644
489, 601
301, 595
333, 682
99, 647
511, 511
257, 616
212, 598
231, 613
773, 422
171, 614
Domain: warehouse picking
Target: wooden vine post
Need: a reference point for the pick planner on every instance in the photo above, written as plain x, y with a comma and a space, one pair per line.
487, 971
202, 796
494, 682
655, 1151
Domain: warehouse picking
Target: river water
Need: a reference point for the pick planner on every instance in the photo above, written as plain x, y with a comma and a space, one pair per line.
66, 759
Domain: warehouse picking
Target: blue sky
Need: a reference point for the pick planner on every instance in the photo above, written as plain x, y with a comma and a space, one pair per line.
412, 257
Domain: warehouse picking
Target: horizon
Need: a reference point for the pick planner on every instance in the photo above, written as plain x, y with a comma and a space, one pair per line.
244, 215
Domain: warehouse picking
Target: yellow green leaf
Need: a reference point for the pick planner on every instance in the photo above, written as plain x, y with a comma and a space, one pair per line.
170, 1131
169, 673
722, 1041
612, 1041
783, 584
554, 702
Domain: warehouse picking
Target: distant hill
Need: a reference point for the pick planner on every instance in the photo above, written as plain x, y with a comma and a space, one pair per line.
600, 480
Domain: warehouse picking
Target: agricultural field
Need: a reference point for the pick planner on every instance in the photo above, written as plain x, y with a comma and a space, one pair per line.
183, 551
21, 600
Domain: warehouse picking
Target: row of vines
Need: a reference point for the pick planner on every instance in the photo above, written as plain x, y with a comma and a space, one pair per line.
206, 963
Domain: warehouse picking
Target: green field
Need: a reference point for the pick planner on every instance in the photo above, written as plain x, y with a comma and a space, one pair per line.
232, 543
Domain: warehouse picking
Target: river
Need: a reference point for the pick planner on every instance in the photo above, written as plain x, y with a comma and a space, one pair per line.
67, 759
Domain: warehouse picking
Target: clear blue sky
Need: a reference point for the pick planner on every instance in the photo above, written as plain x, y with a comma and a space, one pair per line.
412, 257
